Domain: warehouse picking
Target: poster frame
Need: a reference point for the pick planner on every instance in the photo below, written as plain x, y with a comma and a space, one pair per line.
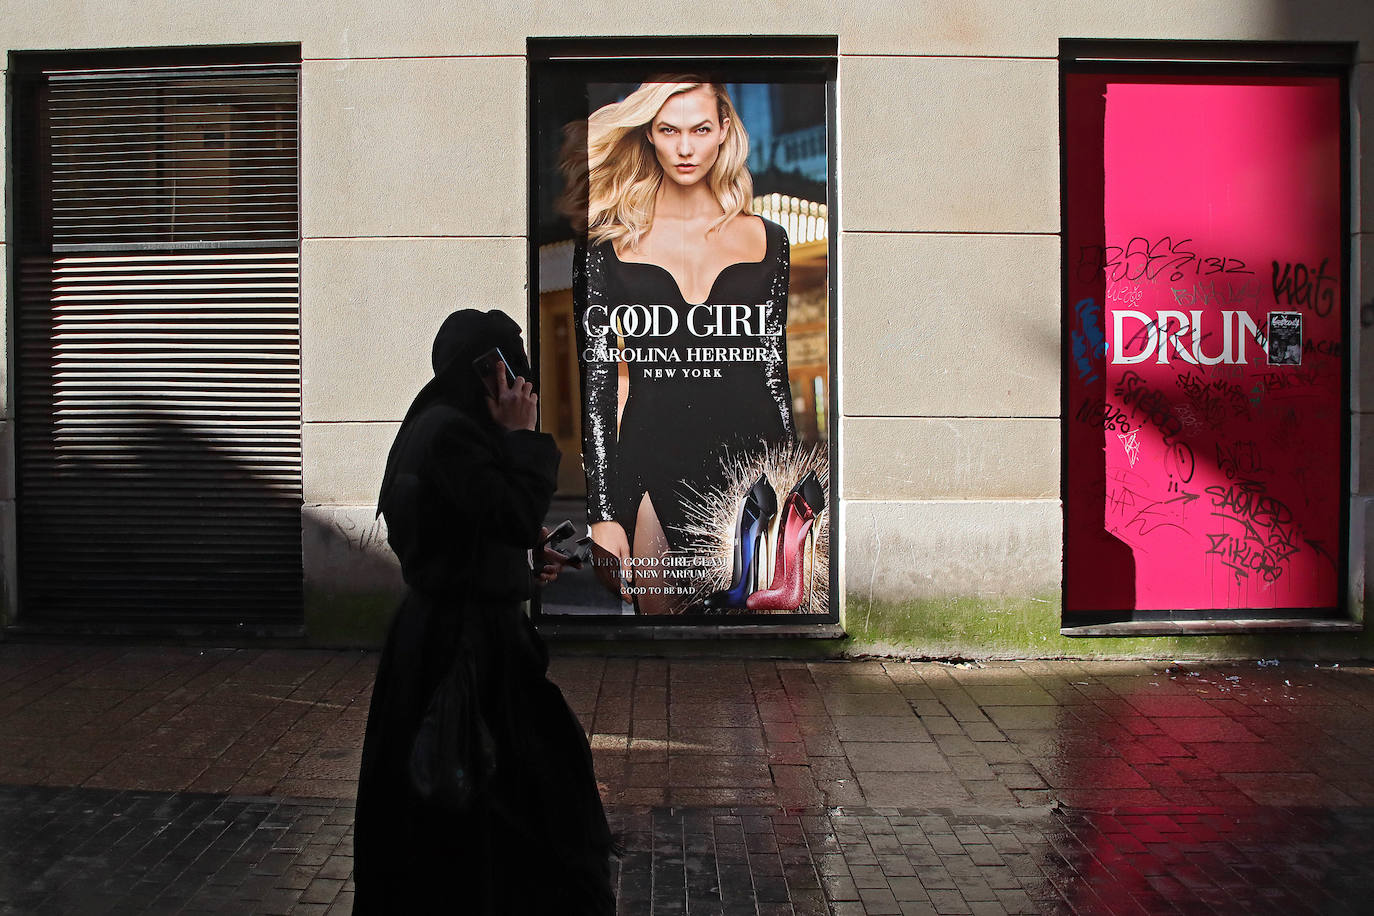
1169, 58
793, 57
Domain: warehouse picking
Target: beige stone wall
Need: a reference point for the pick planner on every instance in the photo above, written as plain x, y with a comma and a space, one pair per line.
414, 203
949, 367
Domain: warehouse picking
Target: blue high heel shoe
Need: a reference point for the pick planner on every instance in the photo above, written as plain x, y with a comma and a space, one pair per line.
756, 511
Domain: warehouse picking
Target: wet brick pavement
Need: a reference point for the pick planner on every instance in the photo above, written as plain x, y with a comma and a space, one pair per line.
149, 780
99, 851
108, 851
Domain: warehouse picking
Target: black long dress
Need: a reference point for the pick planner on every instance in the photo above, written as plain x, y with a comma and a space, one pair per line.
713, 387
464, 503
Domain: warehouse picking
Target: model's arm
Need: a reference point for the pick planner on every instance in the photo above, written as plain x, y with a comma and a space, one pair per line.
779, 388
600, 389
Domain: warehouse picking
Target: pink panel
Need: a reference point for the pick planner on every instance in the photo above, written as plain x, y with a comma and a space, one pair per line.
1205, 374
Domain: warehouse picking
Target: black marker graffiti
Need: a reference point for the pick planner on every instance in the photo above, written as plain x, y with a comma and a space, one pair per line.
1141, 259
1290, 379
362, 538
1321, 347
1239, 458
1209, 293
1179, 462
1268, 537
1153, 405
1161, 513
1214, 399
1298, 284
1320, 549
1097, 412
1245, 556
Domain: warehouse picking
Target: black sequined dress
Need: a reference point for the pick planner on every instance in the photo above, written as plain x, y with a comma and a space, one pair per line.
707, 381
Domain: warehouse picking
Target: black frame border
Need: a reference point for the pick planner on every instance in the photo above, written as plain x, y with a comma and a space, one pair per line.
794, 56
23, 76
1172, 58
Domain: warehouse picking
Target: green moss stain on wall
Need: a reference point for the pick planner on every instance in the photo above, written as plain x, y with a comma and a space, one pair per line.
1028, 627
340, 620
958, 627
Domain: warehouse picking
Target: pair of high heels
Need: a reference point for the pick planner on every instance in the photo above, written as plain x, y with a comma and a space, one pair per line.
796, 528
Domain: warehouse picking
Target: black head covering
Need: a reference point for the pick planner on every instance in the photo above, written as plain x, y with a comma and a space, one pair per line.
464, 335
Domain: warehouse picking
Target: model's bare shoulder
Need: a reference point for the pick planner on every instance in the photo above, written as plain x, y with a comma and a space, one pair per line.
745, 237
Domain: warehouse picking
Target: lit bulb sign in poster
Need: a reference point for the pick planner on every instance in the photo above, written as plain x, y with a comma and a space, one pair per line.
1205, 345
683, 331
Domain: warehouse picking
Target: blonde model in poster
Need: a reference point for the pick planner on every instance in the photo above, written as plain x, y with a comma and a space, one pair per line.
684, 292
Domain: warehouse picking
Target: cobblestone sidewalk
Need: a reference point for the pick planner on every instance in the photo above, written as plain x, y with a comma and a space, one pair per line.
150, 780
99, 851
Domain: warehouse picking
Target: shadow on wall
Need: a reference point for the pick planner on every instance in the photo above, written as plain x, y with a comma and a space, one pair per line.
153, 524
139, 522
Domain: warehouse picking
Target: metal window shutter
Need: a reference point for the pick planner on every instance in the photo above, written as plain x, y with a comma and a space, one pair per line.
158, 351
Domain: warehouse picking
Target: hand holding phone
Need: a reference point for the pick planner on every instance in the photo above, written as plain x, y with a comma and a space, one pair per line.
510, 398
550, 554
490, 367
547, 557
558, 535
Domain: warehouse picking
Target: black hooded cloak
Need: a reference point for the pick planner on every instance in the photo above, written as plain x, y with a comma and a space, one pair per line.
464, 500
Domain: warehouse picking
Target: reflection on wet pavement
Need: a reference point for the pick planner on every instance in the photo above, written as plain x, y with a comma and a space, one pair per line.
198, 778
105, 851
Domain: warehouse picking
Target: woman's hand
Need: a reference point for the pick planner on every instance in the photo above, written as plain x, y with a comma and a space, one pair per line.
515, 406
553, 563
549, 562
610, 536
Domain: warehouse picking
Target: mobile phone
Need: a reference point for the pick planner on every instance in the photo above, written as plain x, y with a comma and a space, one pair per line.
582, 550
488, 367
558, 535
580, 554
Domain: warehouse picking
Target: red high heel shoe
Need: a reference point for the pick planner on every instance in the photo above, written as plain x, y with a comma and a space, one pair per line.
804, 503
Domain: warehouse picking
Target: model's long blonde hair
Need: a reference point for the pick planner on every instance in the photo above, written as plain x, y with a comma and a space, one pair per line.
612, 177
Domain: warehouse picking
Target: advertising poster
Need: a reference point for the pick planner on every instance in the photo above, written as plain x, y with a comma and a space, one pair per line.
1205, 361
683, 339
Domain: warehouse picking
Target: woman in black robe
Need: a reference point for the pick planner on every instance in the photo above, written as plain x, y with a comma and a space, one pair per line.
467, 485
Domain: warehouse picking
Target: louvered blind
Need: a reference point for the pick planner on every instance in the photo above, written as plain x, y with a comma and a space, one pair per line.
159, 402
186, 156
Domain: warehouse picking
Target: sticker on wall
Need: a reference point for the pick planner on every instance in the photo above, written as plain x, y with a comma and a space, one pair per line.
1284, 340
683, 332
1205, 413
